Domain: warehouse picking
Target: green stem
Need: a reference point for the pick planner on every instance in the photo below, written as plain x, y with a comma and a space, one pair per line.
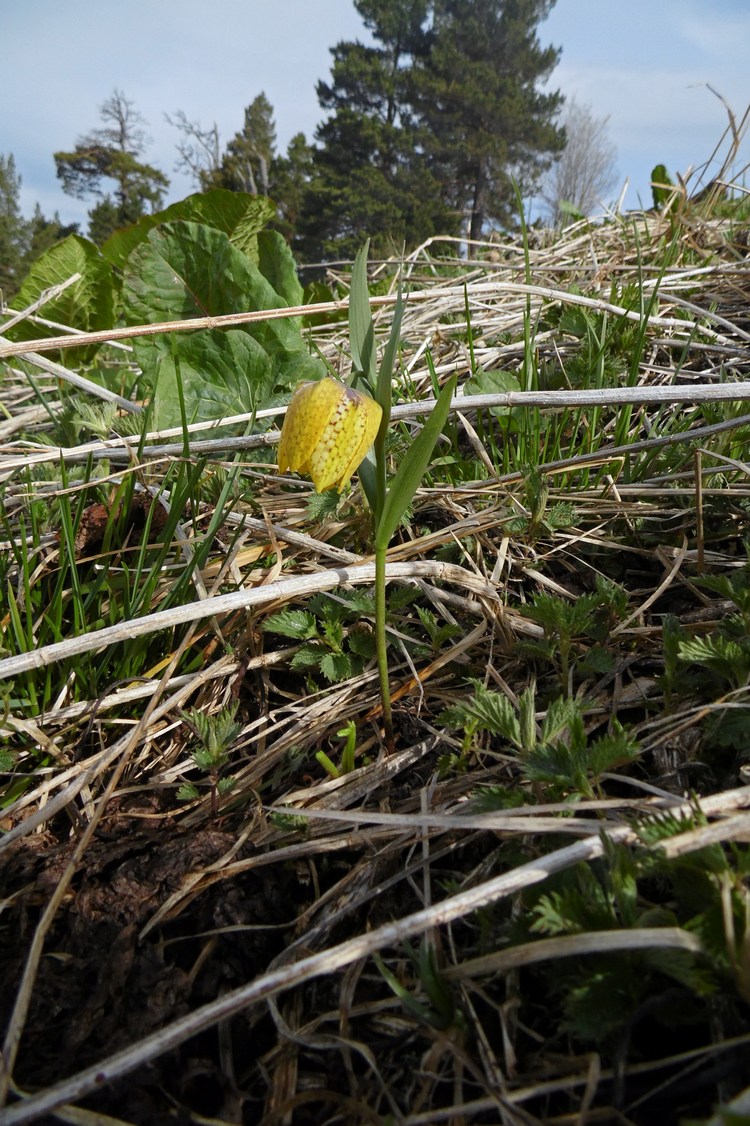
381, 474
381, 645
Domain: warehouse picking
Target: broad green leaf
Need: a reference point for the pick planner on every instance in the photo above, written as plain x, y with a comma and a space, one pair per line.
88, 304
318, 293
276, 264
662, 186
186, 270
239, 215
493, 383
570, 210
361, 328
223, 373
412, 468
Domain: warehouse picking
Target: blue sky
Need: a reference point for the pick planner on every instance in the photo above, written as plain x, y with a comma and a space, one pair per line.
646, 65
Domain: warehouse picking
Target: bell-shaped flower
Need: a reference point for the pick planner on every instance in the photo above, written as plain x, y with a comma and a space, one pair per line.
328, 429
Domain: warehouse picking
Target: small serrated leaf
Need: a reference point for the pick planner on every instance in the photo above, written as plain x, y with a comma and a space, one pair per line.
488, 710
297, 624
336, 667
362, 643
308, 657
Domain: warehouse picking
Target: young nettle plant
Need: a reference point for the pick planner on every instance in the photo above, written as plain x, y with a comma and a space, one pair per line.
214, 735
330, 426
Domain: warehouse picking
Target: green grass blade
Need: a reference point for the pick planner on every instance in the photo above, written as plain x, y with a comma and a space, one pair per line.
412, 468
385, 373
361, 328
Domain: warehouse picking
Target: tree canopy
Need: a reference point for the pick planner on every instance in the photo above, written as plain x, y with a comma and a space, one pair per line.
113, 152
12, 227
428, 128
246, 164
484, 120
22, 240
370, 174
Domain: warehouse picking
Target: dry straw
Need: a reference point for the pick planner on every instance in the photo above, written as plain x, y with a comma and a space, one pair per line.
696, 350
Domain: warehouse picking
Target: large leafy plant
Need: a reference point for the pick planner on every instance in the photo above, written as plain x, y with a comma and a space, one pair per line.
208, 255
183, 270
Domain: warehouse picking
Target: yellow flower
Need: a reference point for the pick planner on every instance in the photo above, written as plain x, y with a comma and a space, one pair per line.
327, 431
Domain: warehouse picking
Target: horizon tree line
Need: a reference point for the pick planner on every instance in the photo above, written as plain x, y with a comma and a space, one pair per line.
432, 128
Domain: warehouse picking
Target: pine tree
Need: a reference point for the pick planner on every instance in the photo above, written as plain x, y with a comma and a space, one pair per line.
428, 128
246, 164
485, 121
290, 177
13, 229
369, 175
44, 233
112, 153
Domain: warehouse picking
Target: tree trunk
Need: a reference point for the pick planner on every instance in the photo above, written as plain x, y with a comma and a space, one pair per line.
477, 208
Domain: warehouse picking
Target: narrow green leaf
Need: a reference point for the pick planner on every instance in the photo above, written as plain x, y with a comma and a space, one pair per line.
361, 328
383, 393
368, 480
327, 764
412, 468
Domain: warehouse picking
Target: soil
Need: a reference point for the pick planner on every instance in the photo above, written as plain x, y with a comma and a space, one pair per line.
101, 986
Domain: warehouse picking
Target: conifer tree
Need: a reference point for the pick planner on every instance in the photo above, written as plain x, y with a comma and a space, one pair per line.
369, 175
485, 121
246, 164
113, 153
43, 233
290, 177
22, 240
13, 229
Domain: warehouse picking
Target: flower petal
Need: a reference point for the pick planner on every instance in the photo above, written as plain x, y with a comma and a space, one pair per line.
307, 416
346, 439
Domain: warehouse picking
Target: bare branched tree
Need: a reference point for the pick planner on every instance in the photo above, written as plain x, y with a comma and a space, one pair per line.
124, 125
199, 151
113, 153
245, 163
585, 170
